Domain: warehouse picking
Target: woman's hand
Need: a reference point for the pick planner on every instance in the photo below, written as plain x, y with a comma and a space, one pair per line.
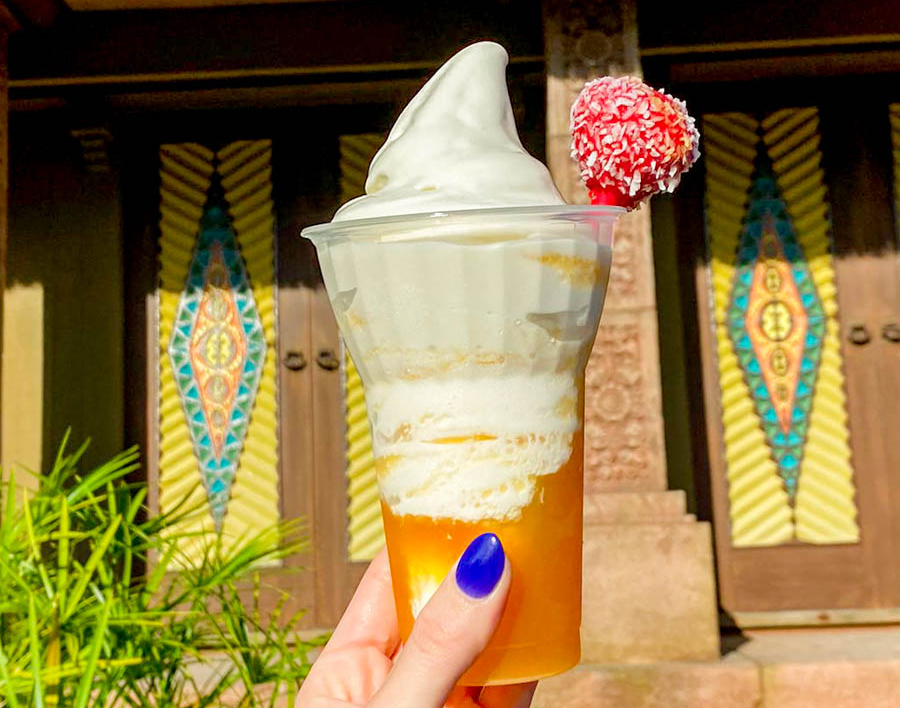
361, 664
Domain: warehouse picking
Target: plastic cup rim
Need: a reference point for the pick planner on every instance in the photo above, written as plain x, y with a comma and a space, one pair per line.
567, 212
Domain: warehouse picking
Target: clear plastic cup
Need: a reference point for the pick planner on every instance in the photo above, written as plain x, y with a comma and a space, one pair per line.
471, 331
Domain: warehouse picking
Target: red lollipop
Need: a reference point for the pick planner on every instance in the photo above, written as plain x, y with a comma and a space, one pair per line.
630, 141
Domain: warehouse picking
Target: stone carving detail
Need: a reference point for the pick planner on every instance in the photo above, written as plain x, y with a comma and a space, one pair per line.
631, 284
622, 442
623, 276
591, 36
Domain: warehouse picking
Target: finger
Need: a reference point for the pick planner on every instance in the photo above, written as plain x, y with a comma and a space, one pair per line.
351, 674
371, 618
451, 630
354, 663
517, 695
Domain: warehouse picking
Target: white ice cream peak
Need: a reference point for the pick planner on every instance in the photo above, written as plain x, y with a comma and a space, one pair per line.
455, 146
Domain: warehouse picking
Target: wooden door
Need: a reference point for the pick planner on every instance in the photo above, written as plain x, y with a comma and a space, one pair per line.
237, 199
797, 286
216, 411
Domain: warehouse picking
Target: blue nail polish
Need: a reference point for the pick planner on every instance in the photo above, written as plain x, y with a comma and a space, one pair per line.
480, 566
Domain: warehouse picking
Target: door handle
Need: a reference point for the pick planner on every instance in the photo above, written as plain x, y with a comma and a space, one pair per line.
294, 361
891, 332
327, 360
859, 335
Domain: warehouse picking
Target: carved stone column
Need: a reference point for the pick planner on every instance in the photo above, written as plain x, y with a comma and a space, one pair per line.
649, 592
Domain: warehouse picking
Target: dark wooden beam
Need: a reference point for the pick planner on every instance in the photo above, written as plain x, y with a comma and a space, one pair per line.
36, 13
266, 41
760, 68
692, 26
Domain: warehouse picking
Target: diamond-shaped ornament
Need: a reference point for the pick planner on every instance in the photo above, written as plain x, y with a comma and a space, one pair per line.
776, 323
217, 351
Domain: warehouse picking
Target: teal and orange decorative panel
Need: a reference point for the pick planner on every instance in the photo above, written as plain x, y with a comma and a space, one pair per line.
217, 377
217, 350
365, 530
779, 363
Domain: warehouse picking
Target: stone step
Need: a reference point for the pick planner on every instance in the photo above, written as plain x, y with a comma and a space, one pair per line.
821, 668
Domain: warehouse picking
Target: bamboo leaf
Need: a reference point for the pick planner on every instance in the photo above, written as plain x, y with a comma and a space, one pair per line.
87, 678
35, 654
62, 559
137, 503
127, 555
111, 499
53, 663
159, 572
33, 544
58, 462
90, 567
4, 674
9, 515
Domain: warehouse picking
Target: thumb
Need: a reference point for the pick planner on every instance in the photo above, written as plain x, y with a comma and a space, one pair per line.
452, 629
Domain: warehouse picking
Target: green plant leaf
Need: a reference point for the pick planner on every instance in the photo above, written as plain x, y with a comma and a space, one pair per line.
89, 567
90, 668
9, 516
62, 553
10, 693
34, 545
35, 655
137, 503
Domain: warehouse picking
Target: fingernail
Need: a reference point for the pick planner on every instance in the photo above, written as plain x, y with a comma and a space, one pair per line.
481, 566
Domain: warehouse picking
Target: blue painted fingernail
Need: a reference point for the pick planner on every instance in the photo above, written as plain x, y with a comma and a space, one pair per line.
480, 566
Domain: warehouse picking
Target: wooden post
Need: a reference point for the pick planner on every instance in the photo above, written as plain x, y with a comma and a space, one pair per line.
8, 25
649, 591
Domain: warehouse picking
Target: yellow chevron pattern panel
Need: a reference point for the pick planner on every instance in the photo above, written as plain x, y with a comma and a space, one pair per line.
246, 171
356, 152
825, 509
894, 112
364, 509
759, 509
187, 172
366, 533
773, 498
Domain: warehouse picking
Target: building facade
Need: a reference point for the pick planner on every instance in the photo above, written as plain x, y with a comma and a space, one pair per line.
740, 475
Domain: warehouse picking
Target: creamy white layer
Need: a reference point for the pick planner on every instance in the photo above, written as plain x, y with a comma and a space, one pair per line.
471, 448
455, 146
470, 354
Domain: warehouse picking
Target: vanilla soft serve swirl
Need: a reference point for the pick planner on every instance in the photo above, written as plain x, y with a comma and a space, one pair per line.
455, 146
470, 337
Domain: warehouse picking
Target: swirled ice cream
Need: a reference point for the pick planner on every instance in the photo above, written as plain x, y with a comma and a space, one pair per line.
455, 146
471, 332
468, 331
471, 360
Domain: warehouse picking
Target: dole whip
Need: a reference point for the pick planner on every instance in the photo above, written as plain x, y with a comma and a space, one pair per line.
455, 146
469, 294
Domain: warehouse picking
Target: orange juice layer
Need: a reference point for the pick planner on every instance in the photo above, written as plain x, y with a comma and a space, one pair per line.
538, 635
